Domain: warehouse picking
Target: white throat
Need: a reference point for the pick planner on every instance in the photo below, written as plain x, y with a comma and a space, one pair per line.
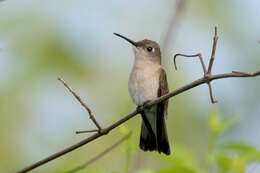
144, 80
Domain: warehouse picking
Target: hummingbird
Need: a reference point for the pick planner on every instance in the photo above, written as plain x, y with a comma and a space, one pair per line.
147, 82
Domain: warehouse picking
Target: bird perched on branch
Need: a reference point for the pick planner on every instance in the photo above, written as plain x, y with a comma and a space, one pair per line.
147, 82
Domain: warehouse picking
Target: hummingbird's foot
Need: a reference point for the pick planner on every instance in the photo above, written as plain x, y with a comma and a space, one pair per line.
146, 103
141, 107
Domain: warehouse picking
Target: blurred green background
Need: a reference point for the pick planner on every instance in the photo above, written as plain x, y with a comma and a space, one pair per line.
41, 40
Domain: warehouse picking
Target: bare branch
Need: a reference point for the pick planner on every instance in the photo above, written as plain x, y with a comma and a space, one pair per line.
246, 74
87, 131
103, 153
195, 55
91, 116
203, 68
206, 79
207, 72
213, 53
211, 94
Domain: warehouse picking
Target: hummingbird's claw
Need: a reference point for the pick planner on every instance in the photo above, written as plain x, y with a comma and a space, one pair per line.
139, 108
144, 105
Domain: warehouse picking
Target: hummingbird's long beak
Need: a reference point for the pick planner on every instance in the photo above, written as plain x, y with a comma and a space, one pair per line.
127, 39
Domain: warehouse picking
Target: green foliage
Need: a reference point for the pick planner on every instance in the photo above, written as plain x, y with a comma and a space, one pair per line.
224, 158
177, 169
229, 157
90, 170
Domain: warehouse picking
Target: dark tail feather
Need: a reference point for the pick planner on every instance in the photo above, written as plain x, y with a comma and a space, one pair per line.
147, 139
153, 132
162, 137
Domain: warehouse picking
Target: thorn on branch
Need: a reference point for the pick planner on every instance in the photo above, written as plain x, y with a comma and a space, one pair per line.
91, 116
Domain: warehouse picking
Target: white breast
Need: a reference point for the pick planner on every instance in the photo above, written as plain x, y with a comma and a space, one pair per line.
144, 82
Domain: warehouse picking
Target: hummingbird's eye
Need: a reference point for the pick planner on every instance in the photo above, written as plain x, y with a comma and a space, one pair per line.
149, 49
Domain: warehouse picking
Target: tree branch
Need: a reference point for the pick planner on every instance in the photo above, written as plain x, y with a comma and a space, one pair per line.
91, 116
190, 56
105, 131
206, 79
213, 53
107, 150
86, 131
207, 72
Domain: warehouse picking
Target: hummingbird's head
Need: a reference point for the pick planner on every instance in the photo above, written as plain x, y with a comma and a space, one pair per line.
147, 50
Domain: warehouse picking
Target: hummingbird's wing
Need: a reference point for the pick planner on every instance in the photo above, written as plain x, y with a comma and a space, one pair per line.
161, 131
162, 90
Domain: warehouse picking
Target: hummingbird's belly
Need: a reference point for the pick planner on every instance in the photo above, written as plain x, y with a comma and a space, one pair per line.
143, 85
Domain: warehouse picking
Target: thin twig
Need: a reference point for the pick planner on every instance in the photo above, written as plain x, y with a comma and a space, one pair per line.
203, 68
246, 74
211, 94
86, 131
207, 72
204, 80
213, 53
91, 116
211, 62
103, 153
195, 55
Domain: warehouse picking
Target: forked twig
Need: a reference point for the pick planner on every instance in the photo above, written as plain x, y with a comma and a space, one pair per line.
91, 116
207, 72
